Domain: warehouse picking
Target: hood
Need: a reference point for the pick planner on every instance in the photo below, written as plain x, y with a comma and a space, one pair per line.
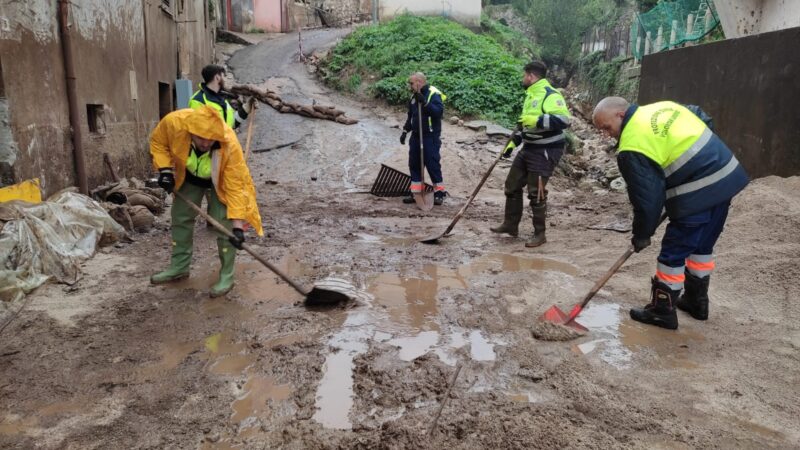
206, 123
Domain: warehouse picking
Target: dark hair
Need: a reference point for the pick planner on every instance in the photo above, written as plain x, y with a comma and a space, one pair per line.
210, 71
537, 68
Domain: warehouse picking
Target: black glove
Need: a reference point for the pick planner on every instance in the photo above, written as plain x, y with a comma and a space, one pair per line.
238, 238
419, 98
166, 180
516, 137
403, 137
639, 244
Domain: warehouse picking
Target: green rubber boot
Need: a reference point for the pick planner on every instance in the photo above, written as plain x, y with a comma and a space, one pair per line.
513, 215
227, 257
182, 235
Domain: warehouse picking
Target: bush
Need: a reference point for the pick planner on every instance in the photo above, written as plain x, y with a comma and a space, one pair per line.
478, 75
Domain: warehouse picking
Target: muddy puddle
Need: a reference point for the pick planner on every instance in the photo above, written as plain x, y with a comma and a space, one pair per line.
404, 313
617, 340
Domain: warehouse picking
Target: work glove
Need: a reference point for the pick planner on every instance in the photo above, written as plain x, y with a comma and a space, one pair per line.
419, 98
238, 238
247, 106
639, 244
403, 138
509, 149
166, 180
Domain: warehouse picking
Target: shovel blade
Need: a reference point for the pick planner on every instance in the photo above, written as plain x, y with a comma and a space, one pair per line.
555, 315
332, 291
424, 200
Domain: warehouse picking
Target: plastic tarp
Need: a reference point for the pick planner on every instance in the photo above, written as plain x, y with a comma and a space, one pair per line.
50, 240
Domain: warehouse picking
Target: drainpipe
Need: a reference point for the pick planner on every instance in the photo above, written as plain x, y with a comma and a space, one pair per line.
72, 98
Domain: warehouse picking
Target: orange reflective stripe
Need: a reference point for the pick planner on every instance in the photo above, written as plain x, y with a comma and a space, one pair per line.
439, 188
416, 187
695, 265
677, 278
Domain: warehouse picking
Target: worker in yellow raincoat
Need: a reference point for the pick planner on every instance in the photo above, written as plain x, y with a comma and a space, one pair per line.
196, 153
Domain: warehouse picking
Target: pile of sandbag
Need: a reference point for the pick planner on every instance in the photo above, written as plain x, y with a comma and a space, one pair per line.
275, 101
131, 203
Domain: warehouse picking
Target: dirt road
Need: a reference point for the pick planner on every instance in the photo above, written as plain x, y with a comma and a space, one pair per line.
114, 362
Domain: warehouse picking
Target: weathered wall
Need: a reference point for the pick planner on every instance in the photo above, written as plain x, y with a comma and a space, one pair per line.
122, 50
467, 12
750, 86
268, 15
748, 17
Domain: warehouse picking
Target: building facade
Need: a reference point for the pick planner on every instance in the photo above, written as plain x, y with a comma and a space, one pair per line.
127, 56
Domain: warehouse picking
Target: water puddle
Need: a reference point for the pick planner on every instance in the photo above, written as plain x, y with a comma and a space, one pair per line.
618, 339
254, 282
404, 313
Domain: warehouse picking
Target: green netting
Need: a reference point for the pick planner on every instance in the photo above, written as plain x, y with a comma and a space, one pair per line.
672, 23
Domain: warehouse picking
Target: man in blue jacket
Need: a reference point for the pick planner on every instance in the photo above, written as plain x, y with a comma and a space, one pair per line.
670, 158
432, 101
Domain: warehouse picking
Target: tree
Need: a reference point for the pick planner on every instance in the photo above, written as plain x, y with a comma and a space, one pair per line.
561, 24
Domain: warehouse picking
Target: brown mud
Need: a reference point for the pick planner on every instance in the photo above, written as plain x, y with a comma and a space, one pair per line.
114, 362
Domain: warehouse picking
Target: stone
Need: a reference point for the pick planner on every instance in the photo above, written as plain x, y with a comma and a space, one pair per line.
454, 120
497, 130
477, 125
618, 184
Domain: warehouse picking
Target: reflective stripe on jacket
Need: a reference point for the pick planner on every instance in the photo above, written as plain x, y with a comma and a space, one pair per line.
201, 97
544, 115
695, 170
432, 112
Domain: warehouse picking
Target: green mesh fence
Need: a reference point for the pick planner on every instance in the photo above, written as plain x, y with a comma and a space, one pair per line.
672, 23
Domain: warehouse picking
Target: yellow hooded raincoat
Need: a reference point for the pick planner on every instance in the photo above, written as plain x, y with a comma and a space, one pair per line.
170, 144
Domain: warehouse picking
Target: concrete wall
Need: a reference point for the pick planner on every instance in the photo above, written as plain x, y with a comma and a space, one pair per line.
467, 12
122, 50
750, 86
747, 17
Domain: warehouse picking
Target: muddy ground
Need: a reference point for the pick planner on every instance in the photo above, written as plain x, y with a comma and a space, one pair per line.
114, 362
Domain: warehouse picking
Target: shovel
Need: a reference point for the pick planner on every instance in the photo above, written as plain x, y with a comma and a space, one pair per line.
335, 290
555, 315
457, 217
423, 199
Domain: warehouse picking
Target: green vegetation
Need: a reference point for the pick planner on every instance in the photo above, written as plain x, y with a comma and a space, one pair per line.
479, 75
560, 25
515, 42
604, 77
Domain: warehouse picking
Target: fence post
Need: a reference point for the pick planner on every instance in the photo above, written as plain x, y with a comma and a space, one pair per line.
673, 34
690, 24
647, 43
707, 23
638, 46
659, 39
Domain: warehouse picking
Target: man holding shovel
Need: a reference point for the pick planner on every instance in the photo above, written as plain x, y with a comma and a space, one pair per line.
670, 158
197, 154
541, 128
432, 102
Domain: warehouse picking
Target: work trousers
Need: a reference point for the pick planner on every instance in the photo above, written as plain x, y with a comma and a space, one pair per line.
183, 218
530, 167
688, 246
431, 145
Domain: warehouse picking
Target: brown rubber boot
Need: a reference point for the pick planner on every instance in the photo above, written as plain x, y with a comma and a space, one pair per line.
539, 226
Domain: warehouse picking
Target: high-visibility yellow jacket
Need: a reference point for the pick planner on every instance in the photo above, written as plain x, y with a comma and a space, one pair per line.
205, 96
169, 147
544, 116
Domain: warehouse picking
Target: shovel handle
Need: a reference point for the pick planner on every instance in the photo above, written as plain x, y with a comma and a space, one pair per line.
474, 193
219, 227
602, 281
250, 126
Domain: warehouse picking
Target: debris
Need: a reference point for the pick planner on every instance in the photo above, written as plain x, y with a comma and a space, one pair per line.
50, 240
276, 147
620, 226
454, 120
549, 331
274, 100
618, 184
131, 203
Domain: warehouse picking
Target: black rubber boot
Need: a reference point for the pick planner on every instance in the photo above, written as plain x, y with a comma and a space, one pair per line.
695, 297
438, 197
539, 226
513, 215
408, 200
660, 312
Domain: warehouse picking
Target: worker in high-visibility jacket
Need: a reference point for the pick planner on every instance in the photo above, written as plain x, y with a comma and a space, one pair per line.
211, 94
432, 101
541, 131
195, 153
670, 158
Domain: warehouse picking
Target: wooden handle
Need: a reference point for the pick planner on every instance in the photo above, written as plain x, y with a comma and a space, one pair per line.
250, 126
245, 247
474, 194
421, 146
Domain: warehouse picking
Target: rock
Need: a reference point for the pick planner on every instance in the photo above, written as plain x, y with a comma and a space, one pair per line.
477, 125
497, 130
454, 120
612, 172
142, 218
461, 123
618, 184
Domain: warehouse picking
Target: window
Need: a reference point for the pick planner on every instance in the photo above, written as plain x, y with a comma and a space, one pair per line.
164, 99
95, 115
